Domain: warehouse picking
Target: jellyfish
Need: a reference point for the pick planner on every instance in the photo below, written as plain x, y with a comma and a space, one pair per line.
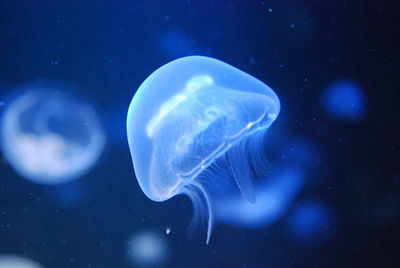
147, 249
344, 100
176, 43
49, 136
196, 127
15, 261
311, 222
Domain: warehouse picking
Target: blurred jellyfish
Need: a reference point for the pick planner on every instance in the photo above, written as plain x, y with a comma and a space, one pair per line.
147, 249
50, 137
274, 197
310, 222
344, 100
177, 44
15, 261
196, 126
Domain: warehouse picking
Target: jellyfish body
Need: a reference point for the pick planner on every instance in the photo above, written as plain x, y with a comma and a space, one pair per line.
16, 261
49, 137
195, 126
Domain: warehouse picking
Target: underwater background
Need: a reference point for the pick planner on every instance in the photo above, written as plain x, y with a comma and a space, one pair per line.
333, 190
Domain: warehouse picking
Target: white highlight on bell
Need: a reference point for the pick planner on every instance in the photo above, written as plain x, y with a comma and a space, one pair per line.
165, 109
249, 125
15, 261
192, 85
198, 82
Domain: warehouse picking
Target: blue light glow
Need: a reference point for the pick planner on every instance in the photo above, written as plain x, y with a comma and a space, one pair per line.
311, 222
344, 100
147, 249
175, 43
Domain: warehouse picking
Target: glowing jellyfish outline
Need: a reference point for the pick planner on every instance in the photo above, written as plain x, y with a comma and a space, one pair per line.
38, 157
194, 95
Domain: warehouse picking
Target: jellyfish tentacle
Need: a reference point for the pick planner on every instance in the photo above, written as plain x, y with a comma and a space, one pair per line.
198, 205
194, 195
210, 213
241, 172
256, 156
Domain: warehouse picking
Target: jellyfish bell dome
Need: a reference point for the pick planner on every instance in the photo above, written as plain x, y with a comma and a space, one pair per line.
16, 261
188, 114
50, 136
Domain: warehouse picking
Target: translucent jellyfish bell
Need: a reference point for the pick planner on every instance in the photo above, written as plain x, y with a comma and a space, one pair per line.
50, 137
15, 261
195, 126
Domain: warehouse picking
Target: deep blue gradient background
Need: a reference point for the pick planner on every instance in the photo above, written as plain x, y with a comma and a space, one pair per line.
105, 49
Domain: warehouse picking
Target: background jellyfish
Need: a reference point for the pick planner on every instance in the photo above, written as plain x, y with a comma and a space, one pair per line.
344, 100
50, 137
274, 197
15, 261
196, 127
311, 222
177, 43
147, 249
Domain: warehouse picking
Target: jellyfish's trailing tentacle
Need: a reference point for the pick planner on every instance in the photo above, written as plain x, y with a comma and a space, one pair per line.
256, 155
241, 172
210, 213
198, 195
